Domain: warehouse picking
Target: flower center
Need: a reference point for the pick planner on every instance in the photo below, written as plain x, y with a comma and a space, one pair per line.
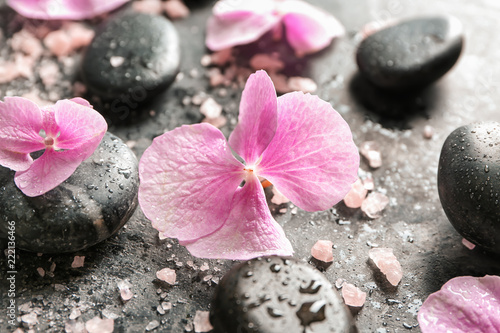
48, 141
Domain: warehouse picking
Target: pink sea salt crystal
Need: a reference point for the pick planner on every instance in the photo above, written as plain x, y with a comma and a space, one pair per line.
50, 74
216, 77
204, 267
278, 197
73, 326
175, 9
8, 72
304, 84
210, 108
98, 325
24, 41
58, 42
352, 295
322, 250
428, 132
201, 322
388, 264
125, 293
371, 151
368, 182
374, 204
270, 63
468, 244
41, 271
154, 7
280, 82
80, 34
356, 195
168, 275
217, 122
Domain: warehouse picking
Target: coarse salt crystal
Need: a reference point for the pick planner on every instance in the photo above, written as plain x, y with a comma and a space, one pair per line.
371, 151
98, 325
168, 275
58, 42
356, 195
322, 250
374, 204
388, 264
352, 295
116, 61
204, 267
201, 322
468, 244
125, 293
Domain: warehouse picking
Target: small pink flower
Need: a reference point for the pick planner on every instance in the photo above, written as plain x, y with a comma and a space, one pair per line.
69, 131
63, 9
235, 22
190, 181
465, 304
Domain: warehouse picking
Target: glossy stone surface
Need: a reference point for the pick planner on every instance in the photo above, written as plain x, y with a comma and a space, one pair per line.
132, 57
90, 206
469, 182
275, 295
412, 53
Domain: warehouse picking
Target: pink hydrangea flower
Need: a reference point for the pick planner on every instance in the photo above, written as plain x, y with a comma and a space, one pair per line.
465, 304
190, 181
236, 22
68, 131
63, 9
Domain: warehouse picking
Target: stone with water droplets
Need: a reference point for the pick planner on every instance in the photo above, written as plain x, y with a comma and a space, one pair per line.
275, 295
88, 207
412, 53
133, 56
469, 182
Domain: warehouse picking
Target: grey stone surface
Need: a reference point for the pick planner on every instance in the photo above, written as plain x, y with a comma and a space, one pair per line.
414, 224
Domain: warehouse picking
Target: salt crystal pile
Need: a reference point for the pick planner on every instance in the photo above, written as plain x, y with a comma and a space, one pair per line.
322, 250
168, 275
201, 322
356, 195
371, 151
388, 264
374, 204
98, 325
352, 295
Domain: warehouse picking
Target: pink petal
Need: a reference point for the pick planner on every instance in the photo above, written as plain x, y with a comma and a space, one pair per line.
250, 230
63, 9
257, 120
312, 158
20, 123
388, 264
308, 29
188, 178
238, 22
464, 304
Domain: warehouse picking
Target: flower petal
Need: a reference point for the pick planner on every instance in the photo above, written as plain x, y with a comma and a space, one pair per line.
20, 123
250, 230
312, 159
257, 120
464, 304
238, 22
63, 9
48, 171
188, 179
80, 126
308, 29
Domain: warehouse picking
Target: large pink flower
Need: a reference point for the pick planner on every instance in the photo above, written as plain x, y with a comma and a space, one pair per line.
63, 9
190, 181
236, 22
69, 131
465, 304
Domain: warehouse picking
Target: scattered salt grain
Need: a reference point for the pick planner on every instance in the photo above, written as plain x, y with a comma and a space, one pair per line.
216, 77
368, 183
167, 306
468, 244
98, 325
210, 108
219, 58
428, 132
168, 275
73, 326
152, 325
198, 98
352, 295
41, 271
75, 313
116, 61
374, 204
278, 198
323, 250
204, 267
269, 63
356, 195
303, 84
109, 314
388, 264
217, 122
371, 151
201, 322
30, 319
125, 293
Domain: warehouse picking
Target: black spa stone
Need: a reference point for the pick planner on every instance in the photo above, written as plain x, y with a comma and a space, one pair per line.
412, 53
469, 182
132, 57
276, 295
88, 207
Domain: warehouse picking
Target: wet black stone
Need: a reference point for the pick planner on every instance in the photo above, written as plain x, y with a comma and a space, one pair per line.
88, 207
411, 54
132, 57
276, 295
469, 182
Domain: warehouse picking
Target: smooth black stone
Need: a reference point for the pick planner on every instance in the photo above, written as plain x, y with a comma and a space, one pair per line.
411, 54
469, 182
276, 295
149, 47
88, 207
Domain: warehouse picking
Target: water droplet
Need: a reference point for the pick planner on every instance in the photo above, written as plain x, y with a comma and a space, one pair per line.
312, 288
275, 313
248, 274
283, 297
275, 268
486, 168
311, 312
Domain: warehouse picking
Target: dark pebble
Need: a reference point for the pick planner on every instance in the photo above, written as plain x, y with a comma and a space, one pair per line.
411, 54
276, 295
133, 57
469, 182
88, 207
